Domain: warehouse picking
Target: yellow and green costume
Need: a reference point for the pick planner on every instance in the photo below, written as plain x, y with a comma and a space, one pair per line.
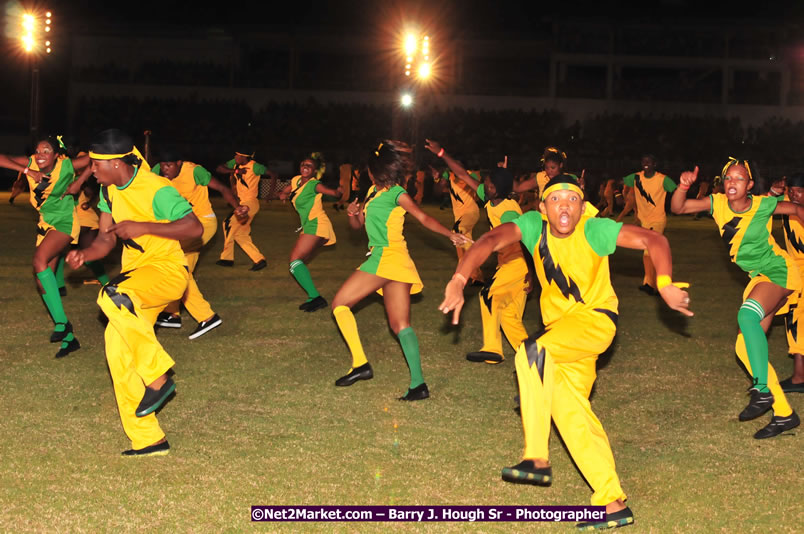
247, 180
752, 247
464, 210
307, 202
794, 245
154, 273
650, 197
55, 213
388, 251
192, 184
502, 301
556, 367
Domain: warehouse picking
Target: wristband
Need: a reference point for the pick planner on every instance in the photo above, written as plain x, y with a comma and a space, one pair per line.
441, 153
25, 171
684, 187
663, 281
461, 278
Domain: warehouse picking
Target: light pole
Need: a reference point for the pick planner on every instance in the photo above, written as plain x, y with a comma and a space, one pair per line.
35, 41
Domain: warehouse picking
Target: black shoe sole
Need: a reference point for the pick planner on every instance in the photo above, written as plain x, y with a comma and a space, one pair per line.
72, 346
315, 305
164, 392
201, 331
56, 337
420, 392
355, 375
162, 449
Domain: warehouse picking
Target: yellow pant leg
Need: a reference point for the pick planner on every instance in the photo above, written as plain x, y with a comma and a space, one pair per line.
501, 306
465, 221
780, 405
569, 348
656, 226
234, 232
794, 326
193, 300
131, 302
581, 430
511, 319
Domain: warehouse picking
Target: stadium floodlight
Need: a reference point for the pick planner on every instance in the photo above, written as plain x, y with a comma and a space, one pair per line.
424, 71
406, 100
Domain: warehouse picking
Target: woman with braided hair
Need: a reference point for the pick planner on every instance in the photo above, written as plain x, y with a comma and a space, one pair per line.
389, 270
49, 172
743, 216
305, 191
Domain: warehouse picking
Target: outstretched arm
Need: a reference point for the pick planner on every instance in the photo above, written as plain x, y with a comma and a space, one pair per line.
103, 243
428, 222
321, 188
789, 208
679, 203
658, 247
15, 163
188, 227
218, 186
454, 166
492, 241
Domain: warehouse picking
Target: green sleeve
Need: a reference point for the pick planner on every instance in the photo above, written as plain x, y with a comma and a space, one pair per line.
259, 169
572, 176
629, 180
169, 205
481, 192
711, 205
509, 216
201, 175
769, 203
230, 164
157, 169
530, 224
102, 205
669, 184
601, 234
398, 191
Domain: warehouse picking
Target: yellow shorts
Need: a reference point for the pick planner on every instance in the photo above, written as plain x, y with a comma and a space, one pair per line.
87, 218
320, 227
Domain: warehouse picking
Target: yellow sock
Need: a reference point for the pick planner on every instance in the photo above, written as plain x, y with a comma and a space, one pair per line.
348, 326
781, 407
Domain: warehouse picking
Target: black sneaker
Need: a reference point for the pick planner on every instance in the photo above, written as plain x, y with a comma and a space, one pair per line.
778, 425
316, 304
789, 387
260, 265
57, 335
225, 263
62, 291
420, 392
623, 518
525, 472
168, 320
153, 399
759, 404
71, 346
485, 356
160, 449
205, 326
364, 372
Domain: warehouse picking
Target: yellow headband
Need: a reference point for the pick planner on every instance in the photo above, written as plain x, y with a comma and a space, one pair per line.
245, 155
554, 150
135, 151
563, 186
377, 152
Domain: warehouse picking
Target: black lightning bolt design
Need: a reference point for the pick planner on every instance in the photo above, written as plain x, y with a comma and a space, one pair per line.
728, 231
642, 191
293, 193
553, 272
792, 238
453, 193
41, 230
457, 226
227, 225
535, 353
484, 293
791, 325
105, 192
240, 175
39, 192
608, 313
119, 299
130, 243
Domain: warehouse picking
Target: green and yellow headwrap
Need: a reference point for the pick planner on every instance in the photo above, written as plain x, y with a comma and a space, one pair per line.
563, 182
734, 161
377, 152
134, 150
61, 143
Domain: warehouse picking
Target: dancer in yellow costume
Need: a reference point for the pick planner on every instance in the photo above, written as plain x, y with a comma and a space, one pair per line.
554, 160
650, 190
193, 182
556, 367
464, 208
794, 244
502, 301
743, 216
389, 270
305, 192
245, 175
149, 216
49, 173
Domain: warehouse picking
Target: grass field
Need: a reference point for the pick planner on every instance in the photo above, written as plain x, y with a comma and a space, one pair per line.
257, 419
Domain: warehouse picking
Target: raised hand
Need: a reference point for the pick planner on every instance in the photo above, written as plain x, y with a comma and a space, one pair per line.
688, 177
432, 146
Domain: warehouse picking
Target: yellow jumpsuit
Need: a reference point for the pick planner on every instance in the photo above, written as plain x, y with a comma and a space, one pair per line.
153, 273
247, 179
556, 367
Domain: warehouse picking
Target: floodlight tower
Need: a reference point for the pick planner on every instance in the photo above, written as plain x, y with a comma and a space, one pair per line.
35, 40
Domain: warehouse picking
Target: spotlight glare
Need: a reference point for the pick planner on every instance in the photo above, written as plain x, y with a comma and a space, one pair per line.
48, 14
48, 50
410, 44
47, 29
407, 100
424, 71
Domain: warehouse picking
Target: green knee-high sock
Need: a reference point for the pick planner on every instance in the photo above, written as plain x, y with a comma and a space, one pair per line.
98, 270
302, 275
59, 274
756, 342
52, 298
410, 347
